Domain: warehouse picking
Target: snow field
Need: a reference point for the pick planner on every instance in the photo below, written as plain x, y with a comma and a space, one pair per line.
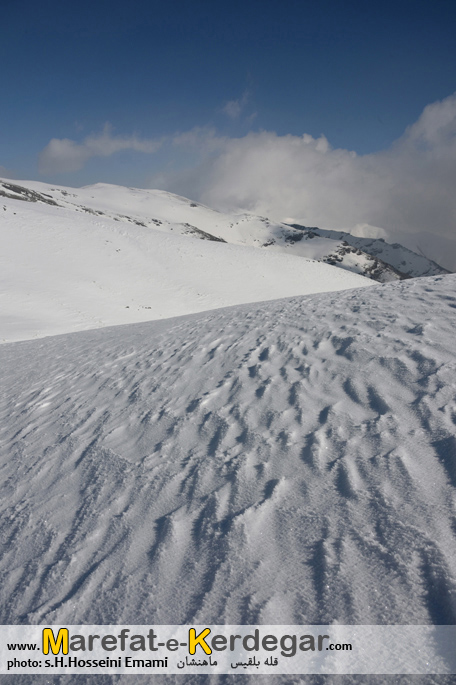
289, 462
63, 270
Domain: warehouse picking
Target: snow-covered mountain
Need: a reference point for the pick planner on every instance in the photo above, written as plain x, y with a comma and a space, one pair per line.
384, 262
170, 213
235, 458
68, 267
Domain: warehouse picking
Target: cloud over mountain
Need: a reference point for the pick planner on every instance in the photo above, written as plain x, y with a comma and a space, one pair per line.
405, 193
407, 190
65, 155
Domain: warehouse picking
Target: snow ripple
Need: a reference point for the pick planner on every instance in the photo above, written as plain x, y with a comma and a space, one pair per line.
291, 462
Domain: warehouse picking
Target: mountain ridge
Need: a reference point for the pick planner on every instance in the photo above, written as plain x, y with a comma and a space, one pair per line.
94, 261
373, 258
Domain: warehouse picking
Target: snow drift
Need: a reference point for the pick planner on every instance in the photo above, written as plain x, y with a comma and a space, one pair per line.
289, 462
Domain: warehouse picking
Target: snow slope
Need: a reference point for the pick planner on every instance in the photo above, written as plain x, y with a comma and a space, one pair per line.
177, 215
64, 269
286, 462
401, 259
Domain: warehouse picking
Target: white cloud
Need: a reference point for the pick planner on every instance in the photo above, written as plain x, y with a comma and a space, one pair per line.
233, 108
65, 155
368, 231
202, 138
406, 192
7, 173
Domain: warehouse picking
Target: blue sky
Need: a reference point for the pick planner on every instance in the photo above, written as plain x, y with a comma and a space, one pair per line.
359, 72
336, 113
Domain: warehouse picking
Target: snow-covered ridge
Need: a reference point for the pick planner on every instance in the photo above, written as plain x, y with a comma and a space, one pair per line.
405, 262
289, 462
73, 262
171, 213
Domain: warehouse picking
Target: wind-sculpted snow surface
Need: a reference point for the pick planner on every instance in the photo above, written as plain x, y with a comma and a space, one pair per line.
291, 462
